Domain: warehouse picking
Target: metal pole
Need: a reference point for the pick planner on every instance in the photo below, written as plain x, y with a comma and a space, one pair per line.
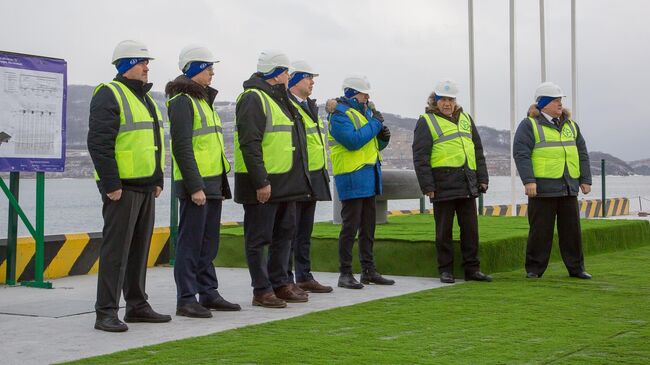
574, 63
39, 255
423, 206
39, 236
173, 221
542, 38
513, 107
472, 78
12, 229
602, 177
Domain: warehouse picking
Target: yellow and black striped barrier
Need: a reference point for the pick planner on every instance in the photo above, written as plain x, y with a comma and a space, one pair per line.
588, 209
73, 254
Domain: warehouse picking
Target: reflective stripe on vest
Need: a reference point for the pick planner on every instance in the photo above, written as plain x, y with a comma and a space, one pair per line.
345, 161
554, 149
207, 140
452, 142
315, 148
277, 142
135, 144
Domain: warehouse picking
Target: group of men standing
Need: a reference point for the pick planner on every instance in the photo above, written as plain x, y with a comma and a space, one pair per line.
280, 165
281, 171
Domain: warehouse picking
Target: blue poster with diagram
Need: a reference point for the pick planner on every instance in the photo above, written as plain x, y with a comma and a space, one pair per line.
32, 113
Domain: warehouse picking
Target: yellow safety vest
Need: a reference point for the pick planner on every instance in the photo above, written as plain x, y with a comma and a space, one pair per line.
315, 147
207, 140
555, 149
277, 142
345, 161
135, 145
452, 142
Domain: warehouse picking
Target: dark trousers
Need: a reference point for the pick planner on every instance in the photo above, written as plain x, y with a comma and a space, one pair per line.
272, 225
444, 212
358, 215
197, 247
128, 225
542, 213
301, 243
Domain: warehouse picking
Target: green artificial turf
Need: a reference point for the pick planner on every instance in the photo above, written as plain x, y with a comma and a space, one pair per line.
405, 245
553, 320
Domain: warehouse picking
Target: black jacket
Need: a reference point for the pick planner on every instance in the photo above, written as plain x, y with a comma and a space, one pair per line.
320, 180
250, 124
181, 120
523, 145
447, 182
103, 127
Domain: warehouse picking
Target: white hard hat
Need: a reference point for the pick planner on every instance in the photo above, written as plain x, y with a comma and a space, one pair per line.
130, 49
301, 66
270, 59
194, 52
447, 88
359, 83
548, 89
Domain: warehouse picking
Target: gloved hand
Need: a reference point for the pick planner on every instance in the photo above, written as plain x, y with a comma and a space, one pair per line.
330, 106
375, 113
384, 134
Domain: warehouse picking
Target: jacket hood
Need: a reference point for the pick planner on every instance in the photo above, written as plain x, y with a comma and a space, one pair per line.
433, 108
183, 84
534, 112
257, 82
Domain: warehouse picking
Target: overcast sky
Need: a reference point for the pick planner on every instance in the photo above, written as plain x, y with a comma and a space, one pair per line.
403, 47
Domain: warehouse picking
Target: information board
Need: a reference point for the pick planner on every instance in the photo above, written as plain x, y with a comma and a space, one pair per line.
33, 93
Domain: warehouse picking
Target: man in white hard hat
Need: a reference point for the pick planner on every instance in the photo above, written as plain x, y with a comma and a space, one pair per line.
301, 85
125, 141
200, 171
356, 135
451, 170
553, 163
271, 174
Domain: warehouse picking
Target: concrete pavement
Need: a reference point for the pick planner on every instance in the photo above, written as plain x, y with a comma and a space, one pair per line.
42, 326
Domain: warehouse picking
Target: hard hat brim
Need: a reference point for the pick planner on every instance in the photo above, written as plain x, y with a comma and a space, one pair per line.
446, 95
146, 58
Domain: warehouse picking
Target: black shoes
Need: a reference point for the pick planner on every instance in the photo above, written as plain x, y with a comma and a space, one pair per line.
220, 304
146, 314
193, 310
447, 278
371, 276
110, 324
478, 276
349, 282
532, 275
581, 275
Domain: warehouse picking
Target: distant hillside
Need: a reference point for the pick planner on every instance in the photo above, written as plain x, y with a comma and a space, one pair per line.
496, 143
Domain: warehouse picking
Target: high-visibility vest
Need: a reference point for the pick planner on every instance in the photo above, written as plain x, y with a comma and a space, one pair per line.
207, 140
315, 147
555, 149
345, 161
452, 142
277, 142
135, 145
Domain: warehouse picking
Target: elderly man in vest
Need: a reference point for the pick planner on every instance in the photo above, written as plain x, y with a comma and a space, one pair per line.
271, 174
553, 163
357, 134
125, 141
301, 85
199, 173
450, 167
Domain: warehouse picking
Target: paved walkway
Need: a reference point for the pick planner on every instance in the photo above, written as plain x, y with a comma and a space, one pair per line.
41, 326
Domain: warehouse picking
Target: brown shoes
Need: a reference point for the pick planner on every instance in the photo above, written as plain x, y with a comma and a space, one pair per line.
289, 295
314, 286
268, 300
298, 290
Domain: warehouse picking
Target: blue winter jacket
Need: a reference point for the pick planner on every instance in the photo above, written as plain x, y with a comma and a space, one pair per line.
365, 182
